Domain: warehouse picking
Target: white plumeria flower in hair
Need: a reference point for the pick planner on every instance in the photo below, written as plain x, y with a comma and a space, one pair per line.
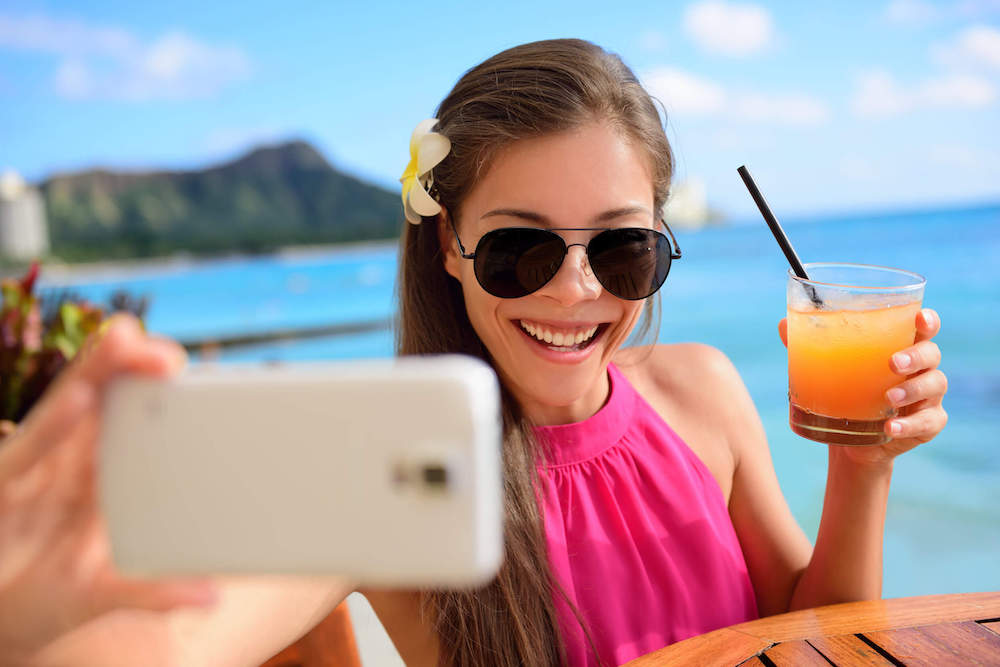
427, 149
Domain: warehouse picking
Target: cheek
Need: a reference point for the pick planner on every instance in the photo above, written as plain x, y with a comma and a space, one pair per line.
480, 306
630, 316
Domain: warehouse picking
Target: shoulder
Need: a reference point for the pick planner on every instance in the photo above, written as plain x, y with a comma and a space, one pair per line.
684, 371
698, 391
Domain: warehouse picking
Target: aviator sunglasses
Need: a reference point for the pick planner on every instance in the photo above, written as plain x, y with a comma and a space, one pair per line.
630, 262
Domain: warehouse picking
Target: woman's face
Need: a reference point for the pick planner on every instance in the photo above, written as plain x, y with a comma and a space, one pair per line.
587, 177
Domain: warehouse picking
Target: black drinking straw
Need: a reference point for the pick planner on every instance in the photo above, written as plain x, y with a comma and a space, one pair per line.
779, 233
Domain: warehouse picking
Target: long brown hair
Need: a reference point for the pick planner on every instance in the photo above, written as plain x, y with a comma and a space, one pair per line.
528, 91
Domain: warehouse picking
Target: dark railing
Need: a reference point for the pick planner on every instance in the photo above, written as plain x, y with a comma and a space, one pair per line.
275, 335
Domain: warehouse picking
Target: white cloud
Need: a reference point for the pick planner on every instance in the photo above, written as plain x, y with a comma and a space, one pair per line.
910, 12
689, 94
858, 169
921, 12
62, 36
787, 109
652, 40
729, 29
878, 94
683, 92
976, 47
102, 62
73, 78
963, 91
977, 8
962, 157
227, 141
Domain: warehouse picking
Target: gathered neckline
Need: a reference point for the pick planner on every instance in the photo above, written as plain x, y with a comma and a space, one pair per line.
568, 444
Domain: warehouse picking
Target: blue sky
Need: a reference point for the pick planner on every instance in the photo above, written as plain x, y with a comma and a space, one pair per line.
833, 106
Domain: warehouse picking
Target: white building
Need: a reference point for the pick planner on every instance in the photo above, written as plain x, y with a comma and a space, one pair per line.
687, 205
24, 234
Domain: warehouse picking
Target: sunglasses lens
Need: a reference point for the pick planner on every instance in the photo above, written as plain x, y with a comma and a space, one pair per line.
514, 262
630, 263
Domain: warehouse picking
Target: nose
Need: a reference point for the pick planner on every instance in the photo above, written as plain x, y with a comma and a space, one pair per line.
575, 280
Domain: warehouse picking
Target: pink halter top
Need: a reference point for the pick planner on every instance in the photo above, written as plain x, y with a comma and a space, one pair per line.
638, 534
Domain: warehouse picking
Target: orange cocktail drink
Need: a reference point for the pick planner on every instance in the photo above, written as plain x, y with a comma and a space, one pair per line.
844, 324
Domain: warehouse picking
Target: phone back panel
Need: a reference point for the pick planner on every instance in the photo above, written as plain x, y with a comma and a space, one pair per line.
387, 472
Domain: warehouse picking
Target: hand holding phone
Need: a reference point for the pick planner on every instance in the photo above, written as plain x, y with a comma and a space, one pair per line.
55, 571
386, 472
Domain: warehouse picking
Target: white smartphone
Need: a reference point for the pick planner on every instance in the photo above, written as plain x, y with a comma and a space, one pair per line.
386, 471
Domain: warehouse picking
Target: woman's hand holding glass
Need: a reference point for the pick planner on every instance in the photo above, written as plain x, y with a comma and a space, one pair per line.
55, 565
918, 397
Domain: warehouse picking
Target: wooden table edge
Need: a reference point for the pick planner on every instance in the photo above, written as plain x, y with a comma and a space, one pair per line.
871, 615
832, 620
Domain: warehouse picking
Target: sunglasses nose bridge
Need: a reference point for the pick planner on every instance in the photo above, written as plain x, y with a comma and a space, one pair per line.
584, 261
574, 281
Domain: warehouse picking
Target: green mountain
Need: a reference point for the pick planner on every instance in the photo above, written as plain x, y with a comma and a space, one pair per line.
274, 196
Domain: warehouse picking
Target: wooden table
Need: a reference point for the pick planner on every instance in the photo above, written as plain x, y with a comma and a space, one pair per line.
933, 630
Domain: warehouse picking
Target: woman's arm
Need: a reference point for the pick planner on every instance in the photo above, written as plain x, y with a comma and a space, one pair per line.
846, 563
55, 565
254, 618
61, 600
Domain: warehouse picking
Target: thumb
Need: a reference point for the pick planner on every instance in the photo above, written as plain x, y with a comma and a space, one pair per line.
783, 331
154, 595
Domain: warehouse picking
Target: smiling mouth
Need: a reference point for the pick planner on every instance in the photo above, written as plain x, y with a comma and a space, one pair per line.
561, 340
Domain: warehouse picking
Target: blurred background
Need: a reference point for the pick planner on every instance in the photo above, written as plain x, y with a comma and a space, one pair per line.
235, 172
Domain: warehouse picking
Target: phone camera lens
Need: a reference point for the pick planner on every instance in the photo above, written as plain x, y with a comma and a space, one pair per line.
435, 475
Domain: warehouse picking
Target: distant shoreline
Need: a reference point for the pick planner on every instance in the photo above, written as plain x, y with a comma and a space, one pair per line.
64, 273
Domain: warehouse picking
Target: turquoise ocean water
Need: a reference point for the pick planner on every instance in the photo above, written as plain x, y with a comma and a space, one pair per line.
943, 528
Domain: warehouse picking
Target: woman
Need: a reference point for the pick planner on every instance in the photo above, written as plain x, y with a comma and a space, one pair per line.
641, 503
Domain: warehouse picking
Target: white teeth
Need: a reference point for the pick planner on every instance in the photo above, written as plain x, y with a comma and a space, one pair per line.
558, 339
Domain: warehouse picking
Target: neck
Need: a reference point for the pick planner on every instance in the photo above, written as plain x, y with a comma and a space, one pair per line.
545, 414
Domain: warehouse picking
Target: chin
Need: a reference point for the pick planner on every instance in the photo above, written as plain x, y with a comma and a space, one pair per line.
551, 393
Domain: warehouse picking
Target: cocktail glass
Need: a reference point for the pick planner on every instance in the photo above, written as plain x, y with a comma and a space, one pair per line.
844, 324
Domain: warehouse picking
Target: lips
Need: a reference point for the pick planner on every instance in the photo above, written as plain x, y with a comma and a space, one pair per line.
561, 338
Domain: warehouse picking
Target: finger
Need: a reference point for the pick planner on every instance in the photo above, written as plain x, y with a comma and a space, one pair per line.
152, 595
91, 561
783, 331
921, 425
925, 354
930, 386
76, 392
46, 425
928, 324
124, 347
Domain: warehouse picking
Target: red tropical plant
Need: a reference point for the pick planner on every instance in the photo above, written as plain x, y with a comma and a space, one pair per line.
33, 348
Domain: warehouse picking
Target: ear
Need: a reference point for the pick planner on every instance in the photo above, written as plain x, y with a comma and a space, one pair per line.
449, 246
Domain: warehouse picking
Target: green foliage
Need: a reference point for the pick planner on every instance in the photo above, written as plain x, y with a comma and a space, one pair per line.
35, 348
272, 197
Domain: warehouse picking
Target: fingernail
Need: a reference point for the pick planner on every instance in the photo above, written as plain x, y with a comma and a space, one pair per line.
928, 317
901, 360
896, 395
895, 428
